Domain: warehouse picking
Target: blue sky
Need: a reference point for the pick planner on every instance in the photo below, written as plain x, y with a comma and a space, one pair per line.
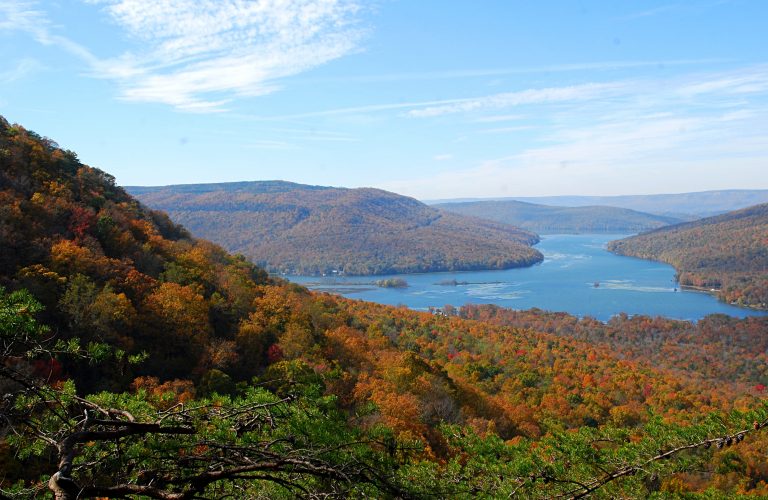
432, 99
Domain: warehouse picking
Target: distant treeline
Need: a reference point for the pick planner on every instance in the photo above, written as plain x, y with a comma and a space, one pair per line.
545, 219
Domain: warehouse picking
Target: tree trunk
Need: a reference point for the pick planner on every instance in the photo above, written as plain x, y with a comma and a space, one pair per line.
63, 488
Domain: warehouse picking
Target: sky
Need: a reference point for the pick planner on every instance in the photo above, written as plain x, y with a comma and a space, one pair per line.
431, 99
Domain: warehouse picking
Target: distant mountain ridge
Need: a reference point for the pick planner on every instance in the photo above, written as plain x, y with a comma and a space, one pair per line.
254, 187
682, 205
727, 253
299, 229
553, 219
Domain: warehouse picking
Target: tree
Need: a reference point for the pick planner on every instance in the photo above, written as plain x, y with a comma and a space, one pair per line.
126, 445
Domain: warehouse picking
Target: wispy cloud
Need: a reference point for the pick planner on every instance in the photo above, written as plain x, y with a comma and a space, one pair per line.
443, 157
737, 82
679, 133
18, 15
529, 96
27, 17
523, 70
20, 70
199, 55
355, 110
315, 135
505, 130
467, 104
662, 9
499, 118
268, 144
754, 79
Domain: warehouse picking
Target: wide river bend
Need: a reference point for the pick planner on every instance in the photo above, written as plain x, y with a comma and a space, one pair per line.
577, 276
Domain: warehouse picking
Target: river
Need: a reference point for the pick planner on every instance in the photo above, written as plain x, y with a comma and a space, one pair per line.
577, 276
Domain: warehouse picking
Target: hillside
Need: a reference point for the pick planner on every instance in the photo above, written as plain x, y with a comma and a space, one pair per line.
297, 229
726, 254
139, 362
546, 219
686, 206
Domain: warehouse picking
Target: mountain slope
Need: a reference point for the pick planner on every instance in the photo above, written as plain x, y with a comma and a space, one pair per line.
553, 219
727, 253
300, 229
455, 408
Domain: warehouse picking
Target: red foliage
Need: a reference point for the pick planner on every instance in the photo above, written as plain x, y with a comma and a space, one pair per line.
48, 369
81, 221
274, 353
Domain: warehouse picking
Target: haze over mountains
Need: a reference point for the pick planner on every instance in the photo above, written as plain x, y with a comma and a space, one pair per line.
300, 229
681, 205
545, 219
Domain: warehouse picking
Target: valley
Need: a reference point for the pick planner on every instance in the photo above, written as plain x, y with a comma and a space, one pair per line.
578, 276
125, 334
348, 250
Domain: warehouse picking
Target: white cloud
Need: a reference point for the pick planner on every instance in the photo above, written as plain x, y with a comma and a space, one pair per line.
443, 157
496, 101
268, 144
695, 132
25, 16
662, 9
499, 118
360, 110
530, 96
518, 70
23, 68
616, 143
505, 130
199, 55
21, 16
754, 80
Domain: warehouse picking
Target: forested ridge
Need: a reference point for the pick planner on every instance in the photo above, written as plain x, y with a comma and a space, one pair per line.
298, 229
559, 220
726, 254
688, 206
139, 362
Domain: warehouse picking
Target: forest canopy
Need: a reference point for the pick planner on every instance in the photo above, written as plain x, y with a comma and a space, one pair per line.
140, 362
312, 230
726, 254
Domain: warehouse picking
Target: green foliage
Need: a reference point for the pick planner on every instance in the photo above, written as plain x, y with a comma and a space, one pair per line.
604, 463
17, 316
216, 382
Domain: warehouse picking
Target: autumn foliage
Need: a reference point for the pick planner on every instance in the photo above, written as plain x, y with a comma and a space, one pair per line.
204, 323
726, 254
298, 229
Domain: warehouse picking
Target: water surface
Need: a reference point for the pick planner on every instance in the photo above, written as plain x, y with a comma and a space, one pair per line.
577, 276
